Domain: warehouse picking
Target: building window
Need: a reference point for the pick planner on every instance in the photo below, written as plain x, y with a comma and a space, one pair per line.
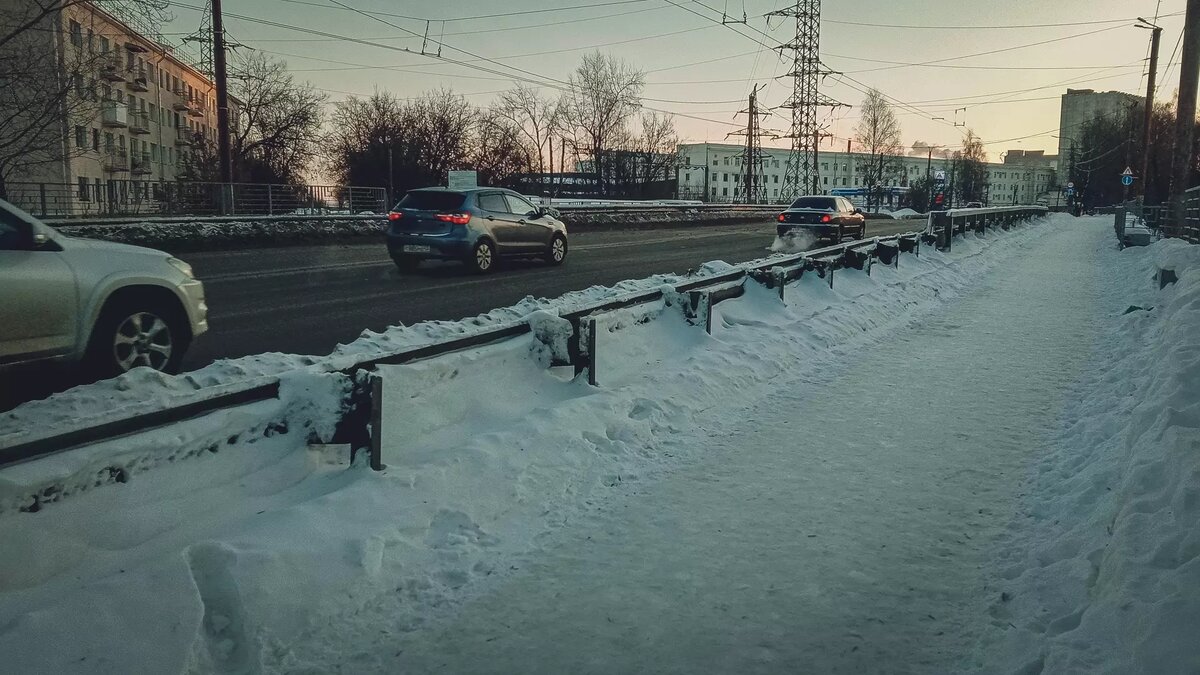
154, 152
724, 192
103, 45
775, 164
726, 161
687, 177
843, 182
81, 140
76, 33
776, 193
824, 166
80, 89
109, 142
776, 179
714, 162
826, 180
96, 139
725, 178
714, 191
83, 189
91, 43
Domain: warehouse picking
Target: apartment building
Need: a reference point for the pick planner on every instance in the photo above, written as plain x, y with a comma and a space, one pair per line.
151, 110
1080, 106
713, 172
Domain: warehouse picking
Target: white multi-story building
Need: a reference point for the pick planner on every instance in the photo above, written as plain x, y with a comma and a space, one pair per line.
713, 172
152, 108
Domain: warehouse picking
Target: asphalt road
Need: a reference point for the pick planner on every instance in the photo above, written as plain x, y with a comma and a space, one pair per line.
306, 300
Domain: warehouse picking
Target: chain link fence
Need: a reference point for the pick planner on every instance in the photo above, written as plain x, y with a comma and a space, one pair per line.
152, 198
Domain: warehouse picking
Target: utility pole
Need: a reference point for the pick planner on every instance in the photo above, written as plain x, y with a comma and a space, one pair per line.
806, 72
1185, 117
1148, 119
224, 151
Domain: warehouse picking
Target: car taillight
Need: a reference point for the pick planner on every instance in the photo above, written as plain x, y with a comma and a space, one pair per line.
395, 215
456, 218
824, 219
782, 218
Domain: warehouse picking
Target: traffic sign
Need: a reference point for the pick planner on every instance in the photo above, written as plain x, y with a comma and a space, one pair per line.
1126, 179
1127, 172
939, 175
1070, 185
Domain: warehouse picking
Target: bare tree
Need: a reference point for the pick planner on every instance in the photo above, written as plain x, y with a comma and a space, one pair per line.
500, 151
25, 16
970, 175
534, 117
276, 125
604, 94
878, 134
656, 152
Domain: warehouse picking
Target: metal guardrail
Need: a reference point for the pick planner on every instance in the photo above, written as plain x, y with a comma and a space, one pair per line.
125, 197
944, 225
355, 424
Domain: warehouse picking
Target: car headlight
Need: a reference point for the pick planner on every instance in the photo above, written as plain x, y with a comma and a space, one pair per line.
182, 267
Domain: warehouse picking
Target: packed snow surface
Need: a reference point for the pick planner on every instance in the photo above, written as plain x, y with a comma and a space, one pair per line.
976, 460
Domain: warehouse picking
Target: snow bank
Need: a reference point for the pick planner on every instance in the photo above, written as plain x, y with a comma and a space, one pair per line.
265, 557
1103, 567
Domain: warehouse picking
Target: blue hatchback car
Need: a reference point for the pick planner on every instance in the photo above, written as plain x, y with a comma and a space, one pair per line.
475, 226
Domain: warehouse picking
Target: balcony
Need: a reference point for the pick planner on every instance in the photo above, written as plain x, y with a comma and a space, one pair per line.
184, 137
139, 122
112, 69
114, 114
194, 108
137, 79
116, 160
141, 164
182, 104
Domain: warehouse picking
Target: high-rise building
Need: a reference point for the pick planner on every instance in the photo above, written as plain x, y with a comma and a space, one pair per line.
1080, 106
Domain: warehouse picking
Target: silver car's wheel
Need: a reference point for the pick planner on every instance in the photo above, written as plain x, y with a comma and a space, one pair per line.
558, 250
142, 339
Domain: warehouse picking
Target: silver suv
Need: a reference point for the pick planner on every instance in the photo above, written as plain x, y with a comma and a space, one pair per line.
110, 307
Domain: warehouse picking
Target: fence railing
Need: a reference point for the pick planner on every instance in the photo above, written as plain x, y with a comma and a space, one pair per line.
702, 293
177, 198
944, 225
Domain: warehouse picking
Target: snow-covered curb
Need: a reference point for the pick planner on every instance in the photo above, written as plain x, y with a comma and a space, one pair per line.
1104, 563
265, 556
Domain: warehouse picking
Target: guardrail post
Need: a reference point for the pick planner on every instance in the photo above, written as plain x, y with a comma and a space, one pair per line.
376, 447
355, 426
42, 199
780, 281
270, 201
588, 327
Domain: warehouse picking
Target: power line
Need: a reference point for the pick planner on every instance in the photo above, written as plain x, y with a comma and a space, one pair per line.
984, 53
482, 16
940, 27
481, 31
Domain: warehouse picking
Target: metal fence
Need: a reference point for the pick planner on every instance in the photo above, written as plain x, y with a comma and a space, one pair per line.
178, 198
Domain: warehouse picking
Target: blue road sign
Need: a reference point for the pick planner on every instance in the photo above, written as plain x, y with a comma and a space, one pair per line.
1126, 180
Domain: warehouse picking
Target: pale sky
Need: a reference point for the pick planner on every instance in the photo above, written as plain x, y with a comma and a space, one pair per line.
698, 67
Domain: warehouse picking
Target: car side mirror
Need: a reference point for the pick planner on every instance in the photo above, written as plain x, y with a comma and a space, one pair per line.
40, 239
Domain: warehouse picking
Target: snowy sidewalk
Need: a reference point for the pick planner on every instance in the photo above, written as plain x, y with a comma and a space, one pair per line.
845, 526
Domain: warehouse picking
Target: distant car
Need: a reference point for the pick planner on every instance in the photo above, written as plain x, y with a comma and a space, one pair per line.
475, 226
107, 307
974, 205
831, 218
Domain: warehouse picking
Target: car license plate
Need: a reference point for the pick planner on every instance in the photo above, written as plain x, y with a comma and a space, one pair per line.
409, 248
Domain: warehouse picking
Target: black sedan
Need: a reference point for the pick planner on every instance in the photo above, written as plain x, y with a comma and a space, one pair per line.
832, 218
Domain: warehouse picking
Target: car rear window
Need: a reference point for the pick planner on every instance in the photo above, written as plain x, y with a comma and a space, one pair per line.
422, 200
820, 203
